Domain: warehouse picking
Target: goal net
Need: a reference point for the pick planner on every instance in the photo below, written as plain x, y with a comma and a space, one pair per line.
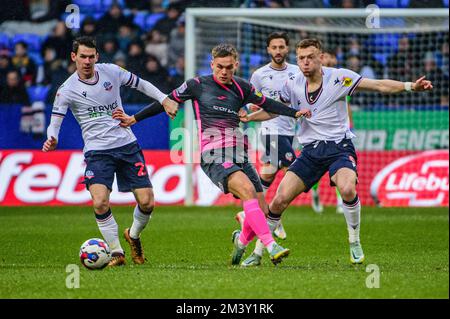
388, 43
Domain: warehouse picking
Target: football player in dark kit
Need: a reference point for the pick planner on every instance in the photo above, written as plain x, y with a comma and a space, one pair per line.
217, 100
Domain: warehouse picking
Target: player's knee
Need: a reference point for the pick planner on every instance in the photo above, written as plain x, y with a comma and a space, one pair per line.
247, 191
101, 205
147, 205
348, 191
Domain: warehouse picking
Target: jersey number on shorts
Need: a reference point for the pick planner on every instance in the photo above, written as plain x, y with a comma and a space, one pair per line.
142, 171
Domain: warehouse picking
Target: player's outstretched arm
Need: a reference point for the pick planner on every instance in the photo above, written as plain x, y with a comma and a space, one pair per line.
263, 115
257, 116
128, 120
392, 87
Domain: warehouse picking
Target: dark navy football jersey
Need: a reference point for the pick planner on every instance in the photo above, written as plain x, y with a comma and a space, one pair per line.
216, 108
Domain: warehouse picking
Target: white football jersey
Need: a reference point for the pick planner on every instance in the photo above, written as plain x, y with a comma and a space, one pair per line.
269, 81
329, 115
92, 104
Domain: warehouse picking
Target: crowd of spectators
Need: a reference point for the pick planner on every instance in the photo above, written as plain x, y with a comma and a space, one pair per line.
157, 53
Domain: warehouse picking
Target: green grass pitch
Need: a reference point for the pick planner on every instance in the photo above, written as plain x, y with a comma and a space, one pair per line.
188, 251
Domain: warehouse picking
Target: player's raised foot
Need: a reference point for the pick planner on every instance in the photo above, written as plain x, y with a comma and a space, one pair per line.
356, 253
279, 231
278, 253
238, 251
315, 202
240, 217
137, 252
252, 260
117, 259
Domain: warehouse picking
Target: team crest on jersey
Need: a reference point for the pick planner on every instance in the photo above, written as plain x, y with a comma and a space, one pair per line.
89, 174
347, 81
289, 156
107, 86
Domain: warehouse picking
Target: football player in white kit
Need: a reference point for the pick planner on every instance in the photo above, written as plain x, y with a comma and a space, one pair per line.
278, 133
329, 59
92, 93
326, 135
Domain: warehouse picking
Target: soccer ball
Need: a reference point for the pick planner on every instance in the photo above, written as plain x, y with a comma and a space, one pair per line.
95, 253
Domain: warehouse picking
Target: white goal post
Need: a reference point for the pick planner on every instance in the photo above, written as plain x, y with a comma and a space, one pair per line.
206, 27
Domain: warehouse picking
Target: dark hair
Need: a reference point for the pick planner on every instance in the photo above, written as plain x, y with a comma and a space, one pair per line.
330, 50
23, 44
223, 50
277, 35
303, 44
84, 40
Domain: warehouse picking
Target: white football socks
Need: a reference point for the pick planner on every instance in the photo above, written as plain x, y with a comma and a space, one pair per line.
140, 220
110, 230
352, 213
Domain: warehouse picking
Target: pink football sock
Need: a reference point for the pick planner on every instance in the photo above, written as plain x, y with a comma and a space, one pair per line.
255, 224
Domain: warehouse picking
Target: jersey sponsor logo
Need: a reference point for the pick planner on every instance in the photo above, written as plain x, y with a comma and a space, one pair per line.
414, 180
346, 81
224, 109
107, 85
102, 110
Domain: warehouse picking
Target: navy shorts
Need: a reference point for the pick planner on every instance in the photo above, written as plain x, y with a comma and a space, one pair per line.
278, 150
218, 173
316, 159
127, 162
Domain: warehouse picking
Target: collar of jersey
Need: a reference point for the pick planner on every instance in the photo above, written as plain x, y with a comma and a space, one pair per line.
90, 83
285, 67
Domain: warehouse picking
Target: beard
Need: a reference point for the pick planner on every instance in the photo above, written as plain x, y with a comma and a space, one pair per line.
278, 59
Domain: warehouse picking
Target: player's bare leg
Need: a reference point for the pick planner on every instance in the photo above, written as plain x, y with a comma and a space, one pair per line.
141, 216
255, 223
345, 179
106, 222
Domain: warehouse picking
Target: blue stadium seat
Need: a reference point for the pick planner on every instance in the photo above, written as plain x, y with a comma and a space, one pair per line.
34, 41
38, 93
381, 57
140, 19
445, 3
4, 41
152, 19
392, 4
36, 57
384, 43
256, 60
86, 6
